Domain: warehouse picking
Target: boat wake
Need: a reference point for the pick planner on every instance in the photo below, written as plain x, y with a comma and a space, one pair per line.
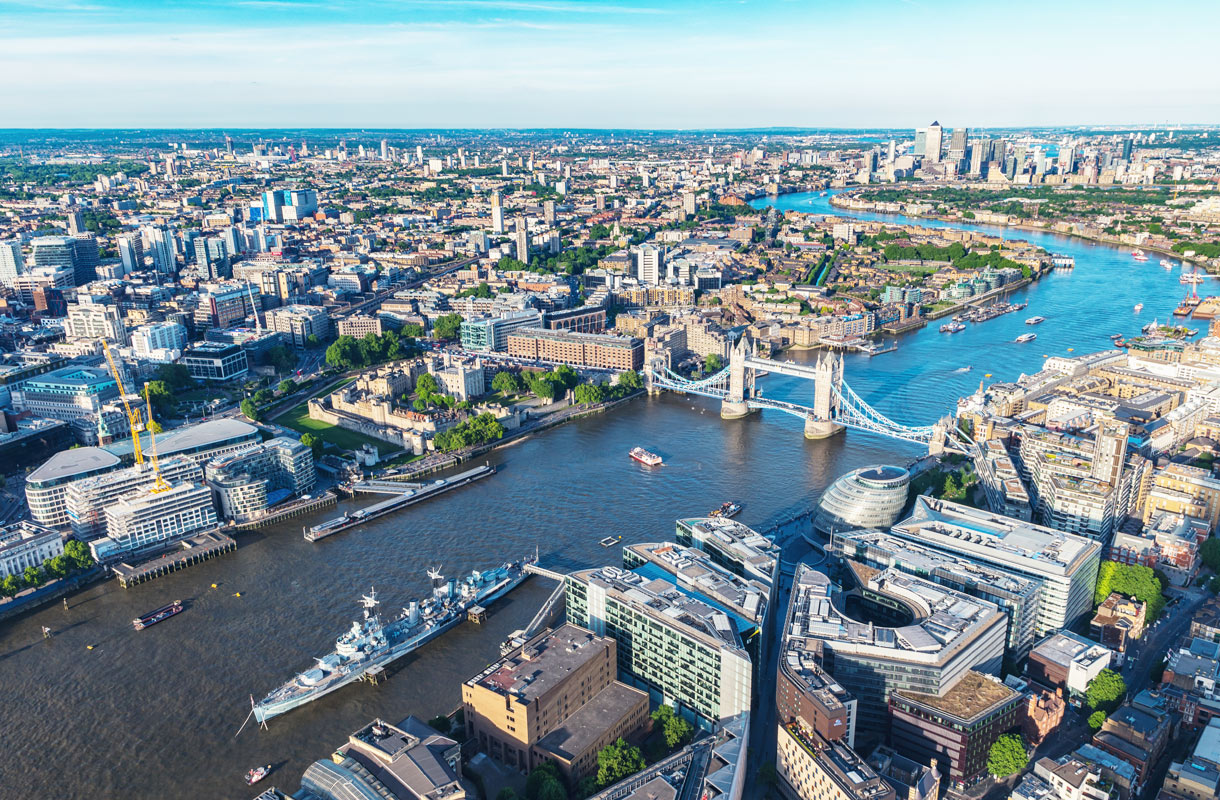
963, 369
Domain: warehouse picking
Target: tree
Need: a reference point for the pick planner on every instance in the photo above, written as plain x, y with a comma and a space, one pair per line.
566, 376
552, 790
426, 385
78, 554
713, 363
630, 380
1131, 580
1209, 551
586, 787
544, 773
617, 761
10, 586
282, 358
344, 353
264, 396
287, 386
1008, 756
447, 327
314, 443
32, 576
589, 393
440, 722
249, 408
507, 793
507, 383
413, 330
312, 340
1096, 720
1105, 691
176, 376
674, 728
161, 396
154, 426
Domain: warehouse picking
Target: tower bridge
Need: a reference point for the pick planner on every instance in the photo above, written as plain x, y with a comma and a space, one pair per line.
835, 406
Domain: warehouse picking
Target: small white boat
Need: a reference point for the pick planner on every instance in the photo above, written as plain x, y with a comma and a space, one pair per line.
1139, 255
257, 774
1027, 337
1035, 320
1139, 307
1166, 264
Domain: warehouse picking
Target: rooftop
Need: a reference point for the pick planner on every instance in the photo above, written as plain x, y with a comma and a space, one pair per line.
994, 537
697, 573
542, 663
71, 463
190, 438
972, 697
585, 725
1065, 648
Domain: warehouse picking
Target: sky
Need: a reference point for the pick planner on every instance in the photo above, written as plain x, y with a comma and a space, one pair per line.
606, 63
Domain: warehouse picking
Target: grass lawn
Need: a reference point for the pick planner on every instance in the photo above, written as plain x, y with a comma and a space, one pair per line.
299, 421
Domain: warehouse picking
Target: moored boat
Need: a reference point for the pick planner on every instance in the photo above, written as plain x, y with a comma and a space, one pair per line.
160, 615
952, 327
1139, 255
728, 510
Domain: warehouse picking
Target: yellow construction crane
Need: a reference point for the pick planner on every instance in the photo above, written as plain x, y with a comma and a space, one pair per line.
159, 483
133, 415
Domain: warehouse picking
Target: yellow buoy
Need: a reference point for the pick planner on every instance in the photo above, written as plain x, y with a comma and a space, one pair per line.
988, 375
213, 586
88, 647
237, 594
1070, 349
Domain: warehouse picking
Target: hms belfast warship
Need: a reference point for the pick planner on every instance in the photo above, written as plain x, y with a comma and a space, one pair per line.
371, 644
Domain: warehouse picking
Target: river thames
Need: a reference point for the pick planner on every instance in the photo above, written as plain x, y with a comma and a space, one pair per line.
153, 714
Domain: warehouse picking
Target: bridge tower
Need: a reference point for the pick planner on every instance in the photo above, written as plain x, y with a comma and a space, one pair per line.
829, 376
736, 404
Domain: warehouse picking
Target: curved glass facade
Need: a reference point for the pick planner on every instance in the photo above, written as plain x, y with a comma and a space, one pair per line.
871, 497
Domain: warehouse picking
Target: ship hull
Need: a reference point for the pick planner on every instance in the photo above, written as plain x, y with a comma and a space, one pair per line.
267, 710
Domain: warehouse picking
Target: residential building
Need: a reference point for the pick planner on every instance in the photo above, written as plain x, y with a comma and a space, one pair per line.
27, 544
148, 519
159, 341
223, 305
554, 698
1067, 661
910, 779
597, 350
1072, 779
1119, 620
245, 483
210, 361
298, 323
957, 728
86, 500
1066, 565
1139, 733
12, 263
1183, 489
812, 768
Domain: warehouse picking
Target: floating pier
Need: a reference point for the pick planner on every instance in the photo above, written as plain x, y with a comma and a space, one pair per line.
404, 497
187, 552
293, 509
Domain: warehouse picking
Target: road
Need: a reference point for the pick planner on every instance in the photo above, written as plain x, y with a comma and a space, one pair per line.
1148, 651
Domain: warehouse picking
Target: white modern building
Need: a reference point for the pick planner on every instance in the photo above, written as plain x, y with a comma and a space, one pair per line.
27, 544
148, 519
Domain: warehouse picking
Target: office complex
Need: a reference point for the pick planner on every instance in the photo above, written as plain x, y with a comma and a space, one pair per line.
1065, 565
1068, 661
86, 500
956, 729
67, 393
96, 321
554, 698
894, 632
297, 323
490, 334
211, 361
27, 544
1017, 595
732, 545
673, 642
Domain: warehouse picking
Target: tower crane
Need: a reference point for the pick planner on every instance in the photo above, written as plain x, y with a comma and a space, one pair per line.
159, 483
133, 416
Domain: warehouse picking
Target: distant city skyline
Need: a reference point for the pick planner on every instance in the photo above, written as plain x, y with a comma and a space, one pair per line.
603, 64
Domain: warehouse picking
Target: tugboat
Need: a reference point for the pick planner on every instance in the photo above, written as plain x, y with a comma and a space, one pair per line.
1027, 337
160, 615
644, 457
257, 774
728, 510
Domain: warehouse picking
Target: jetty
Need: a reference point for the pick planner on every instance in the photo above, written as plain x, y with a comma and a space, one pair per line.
403, 496
185, 553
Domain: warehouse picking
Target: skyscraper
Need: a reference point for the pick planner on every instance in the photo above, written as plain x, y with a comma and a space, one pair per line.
921, 142
935, 138
76, 222
11, 264
957, 145
87, 258
385, 151
648, 264
54, 251
161, 247
131, 252
688, 204
523, 241
548, 213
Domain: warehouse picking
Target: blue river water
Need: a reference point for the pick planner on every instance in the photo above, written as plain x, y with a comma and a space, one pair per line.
152, 714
